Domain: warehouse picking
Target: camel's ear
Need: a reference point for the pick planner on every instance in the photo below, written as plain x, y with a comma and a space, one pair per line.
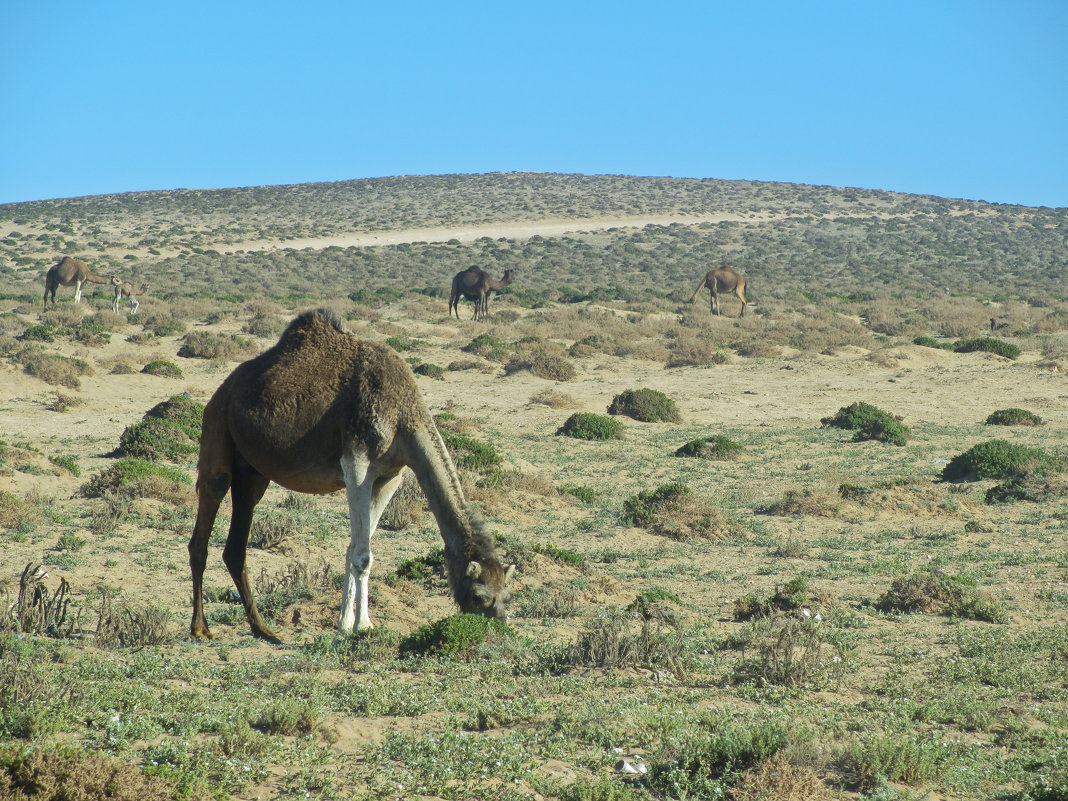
509, 573
474, 570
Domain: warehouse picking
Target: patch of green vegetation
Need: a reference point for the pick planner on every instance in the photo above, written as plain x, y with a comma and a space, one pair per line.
587, 495
787, 597
453, 636
646, 405
639, 510
162, 367
562, 555
934, 591
423, 568
488, 347
987, 345
430, 370
125, 474
68, 463
997, 458
469, 453
716, 447
586, 425
1013, 417
870, 423
39, 333
931, 342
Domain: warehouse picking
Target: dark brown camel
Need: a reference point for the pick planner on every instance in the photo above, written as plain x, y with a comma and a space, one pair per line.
70, 271
355, 427
725, 279
475, 284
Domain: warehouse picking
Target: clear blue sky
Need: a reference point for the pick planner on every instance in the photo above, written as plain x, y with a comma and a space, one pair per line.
963, 98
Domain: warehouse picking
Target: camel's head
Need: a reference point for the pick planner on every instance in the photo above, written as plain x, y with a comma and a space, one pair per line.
116, 281
486, 589
508, 276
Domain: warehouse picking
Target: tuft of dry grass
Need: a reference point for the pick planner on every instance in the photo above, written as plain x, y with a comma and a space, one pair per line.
778, 779
554, 399
799, 503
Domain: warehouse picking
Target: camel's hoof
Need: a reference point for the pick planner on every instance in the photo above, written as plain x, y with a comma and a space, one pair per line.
201, 633
267, 635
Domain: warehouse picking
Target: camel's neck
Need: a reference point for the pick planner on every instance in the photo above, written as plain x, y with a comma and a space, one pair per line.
93, 278
440, 482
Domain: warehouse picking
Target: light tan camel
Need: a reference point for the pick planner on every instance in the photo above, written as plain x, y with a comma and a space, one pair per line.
70, 271
126, 290
725, 279
475, 284
318, 412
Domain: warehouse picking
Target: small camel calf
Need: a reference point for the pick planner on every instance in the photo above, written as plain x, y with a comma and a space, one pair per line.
725, 279
126, 290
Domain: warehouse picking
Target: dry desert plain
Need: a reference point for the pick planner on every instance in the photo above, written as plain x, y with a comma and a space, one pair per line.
627, 642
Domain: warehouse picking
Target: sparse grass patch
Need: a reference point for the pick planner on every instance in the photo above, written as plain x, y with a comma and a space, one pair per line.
586, 425
646, 405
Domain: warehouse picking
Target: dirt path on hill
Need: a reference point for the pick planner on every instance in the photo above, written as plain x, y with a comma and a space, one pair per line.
507, 230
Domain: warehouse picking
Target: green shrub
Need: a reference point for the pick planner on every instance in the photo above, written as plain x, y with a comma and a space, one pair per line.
585, 494
940, 593
39, 333
910, 759
586, 425
562, 555
869, 422
430, 371
488, 347
646, 405
997, 458
1013, 417
169, 430
714, 447
988, 345
126, 475
931, 342
205, 345
453, 636
163, 368
467, 452
640, 509
789, 596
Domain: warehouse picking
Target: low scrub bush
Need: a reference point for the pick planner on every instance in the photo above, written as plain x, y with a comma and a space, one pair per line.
1013, 417
469, 453
54, 369
869, 422
787, 597
542, 359
137, 478
219, 347
454, 636
673, 510
646, 405
987, 345
940, 593
792, 651
797, 503
430, 370
997, 458
908, 758
488, 347
163, 368
931, 342
586, 425
716, 447
169, 430
616, 638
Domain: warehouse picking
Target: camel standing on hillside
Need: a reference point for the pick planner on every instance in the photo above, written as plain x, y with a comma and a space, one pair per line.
356, 427
725, 279
71, 271
475, 284
126, 290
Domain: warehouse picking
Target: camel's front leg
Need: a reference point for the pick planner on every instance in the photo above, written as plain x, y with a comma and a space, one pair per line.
77, 291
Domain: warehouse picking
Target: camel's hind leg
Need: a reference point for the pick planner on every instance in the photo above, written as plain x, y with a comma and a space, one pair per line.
368, 496
740, 292
211, 494
247, 488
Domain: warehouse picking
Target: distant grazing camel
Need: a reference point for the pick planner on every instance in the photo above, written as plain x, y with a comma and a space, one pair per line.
356, 427
126, 290
71, 271
725, 279
475, 284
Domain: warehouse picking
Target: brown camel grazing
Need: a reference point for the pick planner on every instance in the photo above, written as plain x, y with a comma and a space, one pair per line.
126, 290
319, 412
71, 271
475, 284
725, 279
